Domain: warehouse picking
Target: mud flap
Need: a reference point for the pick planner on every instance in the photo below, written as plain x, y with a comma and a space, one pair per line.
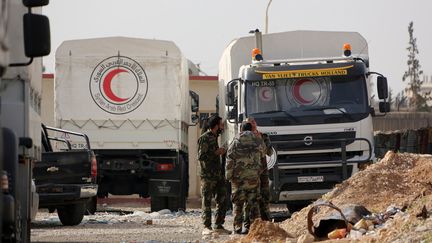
164, 188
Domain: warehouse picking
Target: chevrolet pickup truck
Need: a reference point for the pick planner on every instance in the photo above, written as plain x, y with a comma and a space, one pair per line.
65, 177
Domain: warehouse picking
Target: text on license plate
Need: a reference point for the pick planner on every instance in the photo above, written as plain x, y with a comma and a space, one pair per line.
306, 179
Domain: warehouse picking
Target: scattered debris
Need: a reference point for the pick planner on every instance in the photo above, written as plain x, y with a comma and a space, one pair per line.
394, 190
424, 213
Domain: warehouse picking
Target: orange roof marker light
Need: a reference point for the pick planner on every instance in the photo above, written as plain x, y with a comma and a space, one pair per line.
256, 55
347, 49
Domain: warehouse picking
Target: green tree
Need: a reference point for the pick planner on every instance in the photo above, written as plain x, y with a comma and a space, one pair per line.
417, 101
400, 100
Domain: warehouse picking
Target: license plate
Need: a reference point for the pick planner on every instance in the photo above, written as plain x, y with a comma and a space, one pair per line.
306, 179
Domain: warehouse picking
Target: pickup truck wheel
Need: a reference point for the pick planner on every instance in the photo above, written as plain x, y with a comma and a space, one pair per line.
158, 203
91, 206
71, 214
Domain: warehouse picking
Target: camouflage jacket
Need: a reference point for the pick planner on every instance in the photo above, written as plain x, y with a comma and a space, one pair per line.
210, 162
243, 161
268, 150
267, 143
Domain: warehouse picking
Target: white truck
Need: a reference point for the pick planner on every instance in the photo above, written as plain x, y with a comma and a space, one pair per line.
313, 100
24, 35
131, 97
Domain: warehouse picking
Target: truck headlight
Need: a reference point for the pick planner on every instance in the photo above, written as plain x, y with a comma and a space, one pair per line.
4, 182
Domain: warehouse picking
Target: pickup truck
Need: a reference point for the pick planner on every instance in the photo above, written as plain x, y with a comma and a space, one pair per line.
66, 178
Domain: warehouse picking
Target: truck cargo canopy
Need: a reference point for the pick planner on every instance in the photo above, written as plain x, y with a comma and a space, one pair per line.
120, 78
291, 45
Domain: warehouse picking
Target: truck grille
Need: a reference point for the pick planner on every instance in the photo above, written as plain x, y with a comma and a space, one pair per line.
286, 142
308, 186
331, 175
314, 171
312, 157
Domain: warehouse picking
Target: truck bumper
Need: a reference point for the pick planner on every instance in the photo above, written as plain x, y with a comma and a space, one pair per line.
88, 191
301, 195
57, 195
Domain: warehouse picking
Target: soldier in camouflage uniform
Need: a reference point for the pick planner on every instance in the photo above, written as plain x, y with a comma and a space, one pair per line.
264, 197
212, 176
243, 168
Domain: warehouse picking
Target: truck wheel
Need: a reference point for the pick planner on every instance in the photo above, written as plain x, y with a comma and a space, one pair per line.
177, 203
158, 203
91, 206
71, 214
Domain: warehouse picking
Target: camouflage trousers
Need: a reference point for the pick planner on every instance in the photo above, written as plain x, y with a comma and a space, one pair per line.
246, 199
213, 188
263, 201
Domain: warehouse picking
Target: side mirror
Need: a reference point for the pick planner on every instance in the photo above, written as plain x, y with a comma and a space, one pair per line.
372, 111
217, 103
382, 87
35, 3
240, 118
231, 92
194, 119
194, 101
232, 114
37, 39
384, 107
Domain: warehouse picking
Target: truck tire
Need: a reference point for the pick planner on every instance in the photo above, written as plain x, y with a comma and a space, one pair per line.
158, 203
71, 215
177, 203
91, 206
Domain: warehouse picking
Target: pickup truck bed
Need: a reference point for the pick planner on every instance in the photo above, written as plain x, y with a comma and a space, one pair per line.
65, 180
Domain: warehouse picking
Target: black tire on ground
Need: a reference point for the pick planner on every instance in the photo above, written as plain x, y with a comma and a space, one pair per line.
91, 206
177, 203
71, 215
292, 208
158, 203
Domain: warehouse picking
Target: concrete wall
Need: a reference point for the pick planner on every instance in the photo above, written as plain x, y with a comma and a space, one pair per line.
47, 105
402, 121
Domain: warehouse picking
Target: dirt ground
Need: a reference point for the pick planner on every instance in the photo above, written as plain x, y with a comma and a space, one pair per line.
397, 191
130, 222
123, 223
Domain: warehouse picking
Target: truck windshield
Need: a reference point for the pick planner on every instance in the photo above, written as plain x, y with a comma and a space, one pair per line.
308, 100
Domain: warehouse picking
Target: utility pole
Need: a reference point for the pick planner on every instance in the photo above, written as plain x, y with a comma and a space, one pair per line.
266, 17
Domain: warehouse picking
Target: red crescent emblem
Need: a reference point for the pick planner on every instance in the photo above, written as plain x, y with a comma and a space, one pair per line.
266, 94
107, 85
296, 91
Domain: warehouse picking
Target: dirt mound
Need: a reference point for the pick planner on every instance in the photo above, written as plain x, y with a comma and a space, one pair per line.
263, 231
398, 180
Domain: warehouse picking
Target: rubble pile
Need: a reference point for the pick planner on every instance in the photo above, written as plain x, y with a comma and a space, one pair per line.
396, 190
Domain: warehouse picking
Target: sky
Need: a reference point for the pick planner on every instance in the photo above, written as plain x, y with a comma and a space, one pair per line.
203, 28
